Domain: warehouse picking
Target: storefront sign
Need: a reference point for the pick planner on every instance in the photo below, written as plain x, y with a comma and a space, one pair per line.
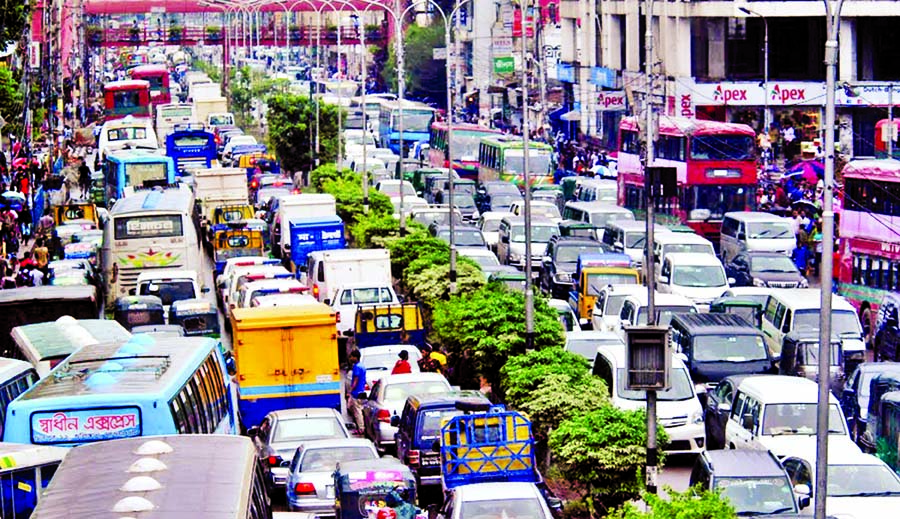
749, 93
504, 65
502, 45
603, 77
565, 72
611, 101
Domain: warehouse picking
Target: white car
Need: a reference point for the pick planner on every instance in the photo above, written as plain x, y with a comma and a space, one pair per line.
608, 306
635, 307
489, 223
585, 343
349, 296
237, 140
698, 276
508, 499
387, 398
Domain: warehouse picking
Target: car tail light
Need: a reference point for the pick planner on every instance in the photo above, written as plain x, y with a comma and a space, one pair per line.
304, 489
338, 316
412, 458
254, 184
384, 416
316, 291
274, 461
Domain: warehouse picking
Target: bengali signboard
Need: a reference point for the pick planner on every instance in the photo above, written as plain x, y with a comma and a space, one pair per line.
85, 425
504, 65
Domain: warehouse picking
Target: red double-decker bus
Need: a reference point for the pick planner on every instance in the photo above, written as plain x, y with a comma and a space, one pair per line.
716, 166
127, 97
158, 77
466, 138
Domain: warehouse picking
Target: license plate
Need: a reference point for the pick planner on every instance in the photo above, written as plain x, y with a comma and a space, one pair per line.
329, 491
431, 462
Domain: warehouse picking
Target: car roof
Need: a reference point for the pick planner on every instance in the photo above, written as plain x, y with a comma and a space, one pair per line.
641, 298
492, 491
716, 324
625, 289
755, 216
636, 225
743, 463
475, 251
575, 240
809, 298
520, 220
693, 258
330, 443
783, 389
617, 352
597, 335
839, 453
879, 367
383, 349
680, 237
412, 377
445, 399
495, 215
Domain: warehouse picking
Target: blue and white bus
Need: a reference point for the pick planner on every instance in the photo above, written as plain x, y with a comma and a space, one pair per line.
16, 377
143, 387
126, 170
417, 119
191, 146
25, 473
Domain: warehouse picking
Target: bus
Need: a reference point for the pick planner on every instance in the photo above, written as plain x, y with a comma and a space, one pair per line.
28, 305
881, 139
16, 377
191, 146
127, 97
164, 477
867, 264
147, 386
417, 119
126, 170
372, 109
25, 473
501, 157
151, 229
158, 77
715, 164
170, 115
44, 345
466, 141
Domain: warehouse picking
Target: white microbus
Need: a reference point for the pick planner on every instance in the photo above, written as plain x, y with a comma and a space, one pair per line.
167, 116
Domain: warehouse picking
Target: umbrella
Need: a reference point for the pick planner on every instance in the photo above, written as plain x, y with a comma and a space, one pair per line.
13, 200
812, 170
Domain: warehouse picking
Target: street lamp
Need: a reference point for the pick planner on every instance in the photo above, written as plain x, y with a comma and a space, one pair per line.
765, 21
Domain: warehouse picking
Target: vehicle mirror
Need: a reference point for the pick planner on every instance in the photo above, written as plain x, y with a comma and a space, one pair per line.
132, 291
731, 281
253, 432
849, 392
741, 236
395, 421
327, 301
681, 356
436, 446
747, 421
703, 397
618, 245
401, 298
504, 239
285, 463
230, 366
363, 396
803, 501
546, 259
802, 490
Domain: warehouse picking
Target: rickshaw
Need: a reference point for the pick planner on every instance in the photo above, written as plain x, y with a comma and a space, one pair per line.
225, 215
800, 357
98, 189
749, 309
569, 184
361, 488
75, 212
236, 241
198, 317
257, 160
389, 324
258, 224
418, 177
131, 311
82, 250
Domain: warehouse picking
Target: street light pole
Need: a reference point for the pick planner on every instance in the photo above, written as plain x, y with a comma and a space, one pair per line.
832, 29
529, 286
652, 461
765, 76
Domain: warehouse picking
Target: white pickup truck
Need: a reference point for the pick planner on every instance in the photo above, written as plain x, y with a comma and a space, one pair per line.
349, 295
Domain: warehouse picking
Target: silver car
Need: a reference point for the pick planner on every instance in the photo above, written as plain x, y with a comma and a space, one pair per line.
281, 432
387, 398
310, 485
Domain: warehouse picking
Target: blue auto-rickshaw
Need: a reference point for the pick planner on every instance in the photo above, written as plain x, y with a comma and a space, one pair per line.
198, 317
131, 311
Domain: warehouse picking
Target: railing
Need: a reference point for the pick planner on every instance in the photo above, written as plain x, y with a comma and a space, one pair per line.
306, 35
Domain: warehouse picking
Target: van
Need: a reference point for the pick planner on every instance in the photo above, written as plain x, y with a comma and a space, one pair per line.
511, 241
635, 306
597, 190
778, 413
697, 276
630, 237
305, 205
128, 132
755, 231
350, 295
792, 309
718, 345
170, 285
596, 213
327, 270
605, 316
668, 242
678, 407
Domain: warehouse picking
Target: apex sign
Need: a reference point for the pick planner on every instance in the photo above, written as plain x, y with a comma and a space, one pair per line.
728, 94
611, 101
785, 94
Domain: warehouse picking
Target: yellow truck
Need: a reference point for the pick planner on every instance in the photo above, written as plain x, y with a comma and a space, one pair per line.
595, 271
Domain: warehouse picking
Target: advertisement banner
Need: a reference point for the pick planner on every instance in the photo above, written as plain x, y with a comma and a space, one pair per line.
612, 101
565, 72
84, 425
504, 65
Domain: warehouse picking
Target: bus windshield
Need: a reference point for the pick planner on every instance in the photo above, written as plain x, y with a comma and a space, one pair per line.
722, 147
138, 173
414, 120
127, 133
176, 111
465, 145
538, 162
191, 140
718, 200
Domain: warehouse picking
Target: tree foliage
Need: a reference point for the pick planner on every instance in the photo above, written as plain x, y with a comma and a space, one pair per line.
522, 374
602, 453
348, 192
426, 78
292, 125
13, 17
12, 101
432, 285
559, 397
694, 503
490, 324
418, 243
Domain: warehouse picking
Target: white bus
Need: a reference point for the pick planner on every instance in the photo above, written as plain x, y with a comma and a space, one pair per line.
151, 229
16, 377
25, 473
167, 116
44, 345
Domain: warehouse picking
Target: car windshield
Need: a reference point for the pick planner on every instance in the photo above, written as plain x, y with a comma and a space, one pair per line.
430, 422
681, 387
307, 429
168, 291
367, 295
698, 276
614, 304
539, 233
399, 392
503, 508
499, 188
774, 263
490, 225
465, 144
843, 322
635, 239
502, 201
538, 162
486, 260
703, 248
325, 459
393, 189
808, 354
464, 238
787, 419
663, 314
861, 480
569, 253
769, 230
385, 361
757, 495
734, 348
601, 218
598, 281
547, 211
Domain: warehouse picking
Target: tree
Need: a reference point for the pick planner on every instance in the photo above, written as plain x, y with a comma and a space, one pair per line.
559, 397
12, 101
602, 454
522, 374
432, 285
691, 504
13, 17
426, 78
416, 244
292, 121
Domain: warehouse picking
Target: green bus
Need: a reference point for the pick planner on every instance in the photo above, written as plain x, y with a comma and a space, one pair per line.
501, 157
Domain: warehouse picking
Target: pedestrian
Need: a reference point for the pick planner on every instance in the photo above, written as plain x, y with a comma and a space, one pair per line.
431, 360
487, 390
402, 365
357, 389
41, 255
84, 179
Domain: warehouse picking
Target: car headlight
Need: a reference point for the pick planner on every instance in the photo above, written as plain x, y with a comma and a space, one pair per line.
563, 277
697, 417
758, 282
514, 258
804, 283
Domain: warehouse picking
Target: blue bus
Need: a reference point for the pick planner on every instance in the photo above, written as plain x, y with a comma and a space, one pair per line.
125, 170
189, 146
143, 387
417, 119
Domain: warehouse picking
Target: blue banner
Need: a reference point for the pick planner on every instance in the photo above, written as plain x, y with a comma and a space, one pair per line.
603, 77
565, 72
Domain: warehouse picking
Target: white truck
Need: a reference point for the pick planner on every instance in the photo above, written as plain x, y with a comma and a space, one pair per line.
214, 187
326, 271
210, 105
304, 205
349, 295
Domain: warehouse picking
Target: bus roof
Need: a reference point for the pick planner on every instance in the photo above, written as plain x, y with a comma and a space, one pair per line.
47, 293
873, 169
127, 84
10, 368
91, 373
465, 127
172, 199
512, 141
98, 480
683, 126
148, 69
407, 105
137, 155
13, 455
64, 336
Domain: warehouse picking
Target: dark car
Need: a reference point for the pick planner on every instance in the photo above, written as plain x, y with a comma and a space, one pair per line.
718, 407
880, 385
496, 195
753, 481
719, 345
800, 357
886, 339
855, 396
560, 260
465, 236
765, 269
419, 426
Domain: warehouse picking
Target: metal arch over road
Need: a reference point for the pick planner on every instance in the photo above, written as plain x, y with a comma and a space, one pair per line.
112, 7
270, 36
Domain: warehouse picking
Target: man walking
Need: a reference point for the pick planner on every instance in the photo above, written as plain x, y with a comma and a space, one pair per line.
357, 388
